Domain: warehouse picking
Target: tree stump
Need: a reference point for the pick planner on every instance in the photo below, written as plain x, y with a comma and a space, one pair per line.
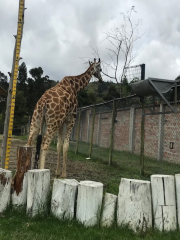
24, 155
109, 206
21, 198
134, 204
38, 191
89, 202
5, 188
64, 198
164, 203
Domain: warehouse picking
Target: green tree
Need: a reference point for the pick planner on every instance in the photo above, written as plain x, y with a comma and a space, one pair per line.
4, 81
126, 89
39, 82
20, 114
22, 78
112, 93
36, 73
37, 85
4, 84
92, 98
83, 99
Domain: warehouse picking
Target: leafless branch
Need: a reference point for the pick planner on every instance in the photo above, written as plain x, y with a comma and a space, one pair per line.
121, 40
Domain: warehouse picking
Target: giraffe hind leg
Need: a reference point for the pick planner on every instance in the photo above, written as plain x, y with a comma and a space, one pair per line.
32, 136
59, 150
45, 145
70, 125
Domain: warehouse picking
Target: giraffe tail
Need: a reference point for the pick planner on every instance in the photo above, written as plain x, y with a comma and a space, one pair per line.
38, 148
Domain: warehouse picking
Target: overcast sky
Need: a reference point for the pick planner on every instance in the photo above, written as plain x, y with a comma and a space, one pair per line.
59, 33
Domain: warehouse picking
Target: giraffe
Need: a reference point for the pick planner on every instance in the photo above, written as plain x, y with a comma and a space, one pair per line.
58, 106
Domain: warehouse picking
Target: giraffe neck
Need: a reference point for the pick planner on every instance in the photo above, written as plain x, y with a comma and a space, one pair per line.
76, 83
82, 80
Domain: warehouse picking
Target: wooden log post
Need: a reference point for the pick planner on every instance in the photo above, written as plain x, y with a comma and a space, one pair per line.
5, 188
134, 204
177, 180
64, 198
164, 203
109, 207
20, 199
89, 202
19, 182
38, 191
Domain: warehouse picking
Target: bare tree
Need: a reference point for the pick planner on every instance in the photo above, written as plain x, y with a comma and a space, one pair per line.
121, 52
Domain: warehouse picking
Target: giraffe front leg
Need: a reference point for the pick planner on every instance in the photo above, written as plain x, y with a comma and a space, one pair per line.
59, 150
65, 151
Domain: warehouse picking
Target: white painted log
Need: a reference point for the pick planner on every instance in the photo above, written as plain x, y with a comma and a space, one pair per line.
64, 198
38, 191
109, 206
21, 198
177, 179
134, 204
164, 202
5, 188
89, 202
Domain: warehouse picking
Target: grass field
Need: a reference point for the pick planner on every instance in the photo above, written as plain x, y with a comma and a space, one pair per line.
124, 165
16, 225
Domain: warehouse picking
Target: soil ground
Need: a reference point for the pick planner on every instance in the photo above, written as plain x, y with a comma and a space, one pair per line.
78, 170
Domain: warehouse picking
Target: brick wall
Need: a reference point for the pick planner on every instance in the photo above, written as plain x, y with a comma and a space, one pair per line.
166, 131
121, 133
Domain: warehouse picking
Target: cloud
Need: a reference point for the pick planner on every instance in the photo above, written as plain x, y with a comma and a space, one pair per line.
59, 33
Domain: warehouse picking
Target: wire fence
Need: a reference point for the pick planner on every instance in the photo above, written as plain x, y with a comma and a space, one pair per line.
111, 132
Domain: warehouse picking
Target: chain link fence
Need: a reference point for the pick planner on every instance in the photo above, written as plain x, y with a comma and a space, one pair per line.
111, 132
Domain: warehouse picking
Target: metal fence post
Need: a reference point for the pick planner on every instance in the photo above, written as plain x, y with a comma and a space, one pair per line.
142, 138
112, 132
142, 125
92, 132
77, 138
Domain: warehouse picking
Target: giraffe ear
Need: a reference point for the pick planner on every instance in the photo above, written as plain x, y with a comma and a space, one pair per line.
89, 63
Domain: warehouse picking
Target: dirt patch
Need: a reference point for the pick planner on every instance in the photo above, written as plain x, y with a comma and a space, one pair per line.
75, 169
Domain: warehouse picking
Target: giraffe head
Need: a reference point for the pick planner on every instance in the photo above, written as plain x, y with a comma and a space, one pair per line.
97, 69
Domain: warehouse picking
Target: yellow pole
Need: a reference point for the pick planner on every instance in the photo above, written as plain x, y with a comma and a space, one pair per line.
8, 126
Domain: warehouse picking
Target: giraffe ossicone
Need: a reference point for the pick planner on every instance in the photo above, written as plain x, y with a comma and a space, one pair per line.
58, 106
